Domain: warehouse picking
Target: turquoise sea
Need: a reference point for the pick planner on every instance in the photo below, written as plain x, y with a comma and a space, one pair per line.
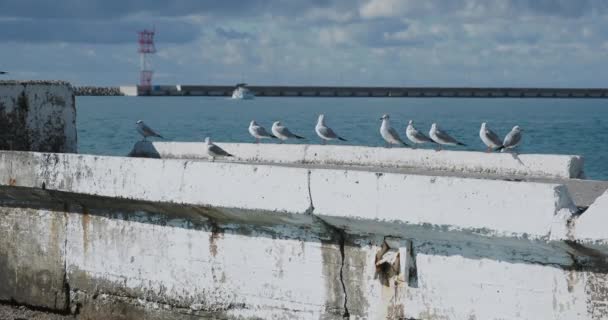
106, 125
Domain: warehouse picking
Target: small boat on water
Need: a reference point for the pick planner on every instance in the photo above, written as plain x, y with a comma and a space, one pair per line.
241, 92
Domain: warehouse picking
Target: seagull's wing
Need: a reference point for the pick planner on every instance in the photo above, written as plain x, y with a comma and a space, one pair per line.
445, 137
284, 131
395, 135
421, 136
512, 139
492, 136
148, 131
262, 132
328, 132
218, 151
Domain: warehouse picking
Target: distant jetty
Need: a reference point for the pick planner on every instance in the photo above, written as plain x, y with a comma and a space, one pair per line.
322, 91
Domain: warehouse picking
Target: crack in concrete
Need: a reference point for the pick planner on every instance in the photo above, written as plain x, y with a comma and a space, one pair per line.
342, 234
341, 239
66, 283
311, 207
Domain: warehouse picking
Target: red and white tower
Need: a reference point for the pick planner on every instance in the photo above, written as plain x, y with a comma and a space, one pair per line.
146, 47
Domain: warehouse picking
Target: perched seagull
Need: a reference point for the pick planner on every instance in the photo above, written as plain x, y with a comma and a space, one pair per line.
389, 134
512, 139
146, 131
442, 138
214, 151
325, 132
281, 132
416, 136
258, 132
489, 138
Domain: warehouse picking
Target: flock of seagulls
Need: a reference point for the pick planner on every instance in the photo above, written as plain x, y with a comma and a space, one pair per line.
390, 135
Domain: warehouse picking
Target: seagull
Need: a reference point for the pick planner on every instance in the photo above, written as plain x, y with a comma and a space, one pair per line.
489, 138
3, 72
389, 134
146, 131
214, 151
442, 138
258, 132
416, 136
325, 132
281, 132
512, 139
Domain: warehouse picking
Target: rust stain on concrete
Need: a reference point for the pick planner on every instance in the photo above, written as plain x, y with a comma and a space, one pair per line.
85, 220
215, 234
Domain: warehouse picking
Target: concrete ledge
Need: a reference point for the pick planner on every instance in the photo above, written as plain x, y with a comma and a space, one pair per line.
592, 225
496, 207
496, 164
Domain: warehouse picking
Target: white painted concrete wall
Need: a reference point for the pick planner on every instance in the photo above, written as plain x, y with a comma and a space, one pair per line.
238, 275
592, 226
497, 207
485, 249
457, 287
497, 164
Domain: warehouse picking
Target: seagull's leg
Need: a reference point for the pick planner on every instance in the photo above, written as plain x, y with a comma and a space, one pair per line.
257, 140
414, 145
322, 141
488, 150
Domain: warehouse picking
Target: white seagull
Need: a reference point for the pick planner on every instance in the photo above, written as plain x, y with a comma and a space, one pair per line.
389, 134
146, 131
489, 138
281, 132
258, 132
442, 138
214, 151
416, 136
512, 139
325, 132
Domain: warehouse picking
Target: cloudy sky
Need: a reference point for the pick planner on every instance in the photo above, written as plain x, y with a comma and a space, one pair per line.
321, 42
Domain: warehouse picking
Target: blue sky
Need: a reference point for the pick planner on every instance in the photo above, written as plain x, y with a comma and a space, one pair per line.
320, 42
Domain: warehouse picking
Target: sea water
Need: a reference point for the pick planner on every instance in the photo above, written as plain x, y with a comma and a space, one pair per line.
106, 125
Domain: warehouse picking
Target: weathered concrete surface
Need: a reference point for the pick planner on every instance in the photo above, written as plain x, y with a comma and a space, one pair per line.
493, 164
494, 207
461, 287
32, 257
593, 224
180, 238
486, 206
37, 116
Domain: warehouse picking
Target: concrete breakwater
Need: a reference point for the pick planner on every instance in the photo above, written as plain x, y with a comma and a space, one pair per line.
322, 233
97, 91
337, 91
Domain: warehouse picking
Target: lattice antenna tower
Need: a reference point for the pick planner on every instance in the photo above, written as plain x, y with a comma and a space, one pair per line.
146, 48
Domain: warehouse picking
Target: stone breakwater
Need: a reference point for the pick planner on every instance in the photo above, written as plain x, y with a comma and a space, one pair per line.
97, 91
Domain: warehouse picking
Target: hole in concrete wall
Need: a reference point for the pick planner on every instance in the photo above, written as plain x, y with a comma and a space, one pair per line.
388, 261
396, 261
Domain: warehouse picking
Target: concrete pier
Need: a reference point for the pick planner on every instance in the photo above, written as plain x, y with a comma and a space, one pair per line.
338, 91
303, 232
